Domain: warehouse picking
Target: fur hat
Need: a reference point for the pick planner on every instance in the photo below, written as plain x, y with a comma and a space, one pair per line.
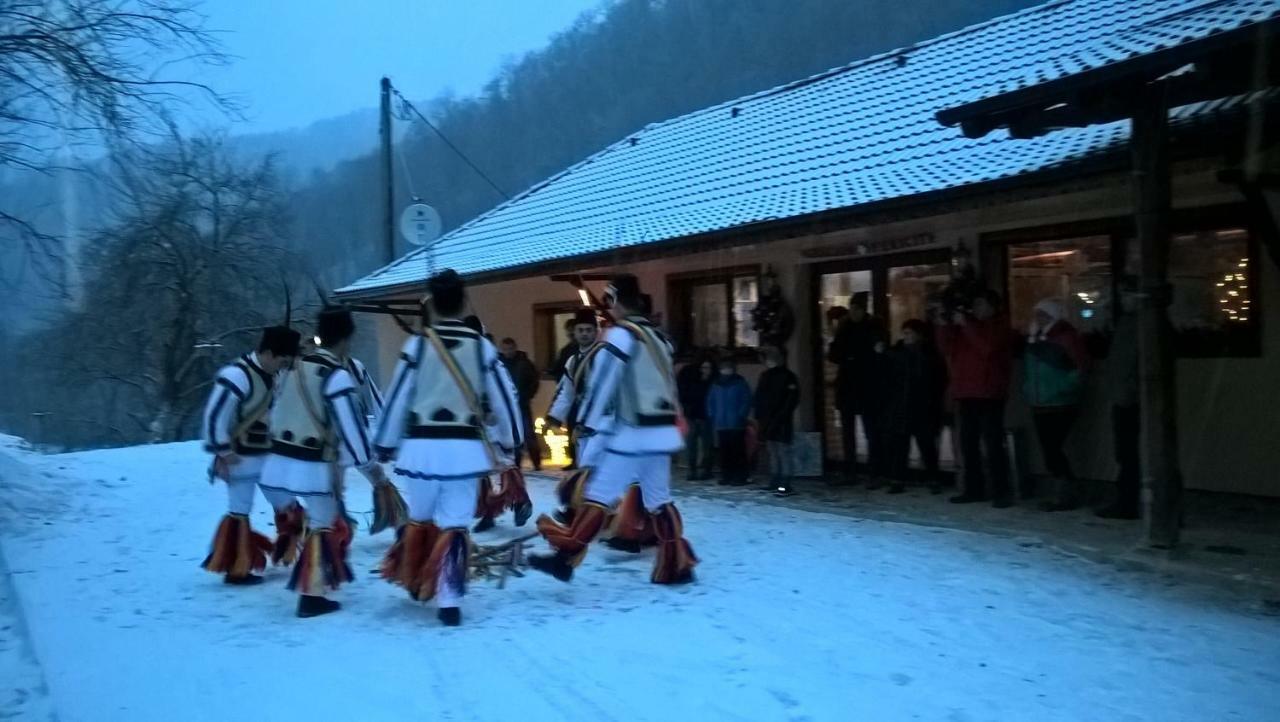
448, 292
584, 317
624, 288
280, 341
335, 325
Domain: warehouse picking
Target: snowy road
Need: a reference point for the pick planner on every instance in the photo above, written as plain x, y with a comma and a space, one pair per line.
796, 616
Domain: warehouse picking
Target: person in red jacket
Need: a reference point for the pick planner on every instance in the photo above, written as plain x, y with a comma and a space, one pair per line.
978, 346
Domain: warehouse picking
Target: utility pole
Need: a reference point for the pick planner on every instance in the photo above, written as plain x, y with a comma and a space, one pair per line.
388, 189
1161, 473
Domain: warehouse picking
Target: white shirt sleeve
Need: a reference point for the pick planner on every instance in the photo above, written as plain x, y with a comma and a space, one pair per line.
607, 368
340, 395
562, 402
507, 432
370, 394
391, 421
230, 389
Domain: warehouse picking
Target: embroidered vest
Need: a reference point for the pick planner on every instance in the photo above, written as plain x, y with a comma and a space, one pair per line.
300, 424
438, 409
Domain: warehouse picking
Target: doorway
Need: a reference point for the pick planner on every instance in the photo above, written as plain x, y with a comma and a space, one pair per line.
899, 287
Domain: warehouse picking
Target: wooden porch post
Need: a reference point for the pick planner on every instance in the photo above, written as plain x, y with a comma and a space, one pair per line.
1161, 473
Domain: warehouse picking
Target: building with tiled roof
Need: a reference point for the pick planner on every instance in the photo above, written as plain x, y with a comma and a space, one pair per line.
846, 181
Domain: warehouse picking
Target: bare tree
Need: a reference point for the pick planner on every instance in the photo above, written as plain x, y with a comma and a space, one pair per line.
185, 279
95, 73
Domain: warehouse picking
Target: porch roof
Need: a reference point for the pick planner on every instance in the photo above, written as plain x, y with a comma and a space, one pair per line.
854, 136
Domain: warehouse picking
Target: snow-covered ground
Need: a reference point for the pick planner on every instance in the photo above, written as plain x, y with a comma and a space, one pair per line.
796, 616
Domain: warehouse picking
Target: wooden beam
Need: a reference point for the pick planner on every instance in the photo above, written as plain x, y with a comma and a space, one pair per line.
1161, 471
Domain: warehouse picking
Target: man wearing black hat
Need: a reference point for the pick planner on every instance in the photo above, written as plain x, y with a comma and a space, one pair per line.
857, 350
560, 414
235, 431
631, 401
563, 409
318, 431
451, 418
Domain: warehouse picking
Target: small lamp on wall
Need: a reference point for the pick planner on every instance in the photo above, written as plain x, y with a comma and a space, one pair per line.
961, 258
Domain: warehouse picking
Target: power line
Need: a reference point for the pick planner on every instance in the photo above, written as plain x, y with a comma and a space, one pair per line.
445, 139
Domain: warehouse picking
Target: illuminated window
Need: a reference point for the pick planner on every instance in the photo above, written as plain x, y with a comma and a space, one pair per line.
1076, 272
713, 310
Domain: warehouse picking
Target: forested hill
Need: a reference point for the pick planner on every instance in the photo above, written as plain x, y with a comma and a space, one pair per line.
631, 63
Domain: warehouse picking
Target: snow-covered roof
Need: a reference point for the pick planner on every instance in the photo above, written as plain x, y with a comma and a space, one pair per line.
857, 134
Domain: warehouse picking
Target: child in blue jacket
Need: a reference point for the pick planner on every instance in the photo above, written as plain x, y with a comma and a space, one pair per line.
728, 406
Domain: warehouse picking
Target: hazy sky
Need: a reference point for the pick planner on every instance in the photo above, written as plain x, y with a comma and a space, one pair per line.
303, 60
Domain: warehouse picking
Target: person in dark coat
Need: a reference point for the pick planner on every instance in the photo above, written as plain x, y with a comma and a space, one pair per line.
856, 350
776, 399
917, 384
692, 384
568, 351
525, 376
728, 406
1123, 389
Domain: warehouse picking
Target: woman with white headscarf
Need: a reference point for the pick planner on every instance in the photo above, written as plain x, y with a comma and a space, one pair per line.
1054, 378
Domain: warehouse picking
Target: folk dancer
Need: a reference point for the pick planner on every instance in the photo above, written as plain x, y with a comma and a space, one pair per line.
317, 432
631, 400
235, 431
510, 493
629, 528
451, 419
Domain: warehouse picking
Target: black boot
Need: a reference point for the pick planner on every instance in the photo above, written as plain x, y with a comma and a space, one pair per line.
449, 616
523, 512
309, 606
631, 546
553, 564
247, 580
485, 524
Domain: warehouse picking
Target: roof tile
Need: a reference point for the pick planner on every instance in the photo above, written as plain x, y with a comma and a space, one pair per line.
857, 134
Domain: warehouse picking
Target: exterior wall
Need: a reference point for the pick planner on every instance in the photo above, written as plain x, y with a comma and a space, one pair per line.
1223, 403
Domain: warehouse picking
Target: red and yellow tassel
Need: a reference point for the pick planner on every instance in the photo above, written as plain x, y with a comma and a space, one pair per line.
450, 557
675, 560
291, 526
631, 521
237, 550
389, 509
405, 562
572, 541
322, 565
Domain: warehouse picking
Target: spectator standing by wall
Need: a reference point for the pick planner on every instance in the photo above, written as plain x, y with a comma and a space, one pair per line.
978, 347
914, 403
1123, 390
728, 406
776, 398
859, 339
693, 382
525, 376
1054, 364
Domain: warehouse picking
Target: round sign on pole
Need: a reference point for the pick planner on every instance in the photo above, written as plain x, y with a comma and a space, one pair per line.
420, 224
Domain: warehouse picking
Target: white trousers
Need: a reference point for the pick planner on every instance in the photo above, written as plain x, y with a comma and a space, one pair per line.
451, 504
615, 472
322, 510
240, 496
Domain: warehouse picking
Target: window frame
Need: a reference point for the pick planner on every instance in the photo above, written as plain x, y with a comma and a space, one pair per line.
679, 287
1122, 230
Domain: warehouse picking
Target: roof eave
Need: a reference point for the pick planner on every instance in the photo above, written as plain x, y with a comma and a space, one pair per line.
980, 117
